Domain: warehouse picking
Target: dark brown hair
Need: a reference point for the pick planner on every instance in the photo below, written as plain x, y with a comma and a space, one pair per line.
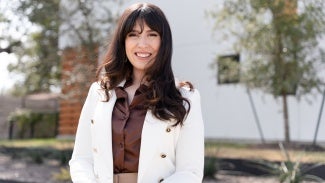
163, 98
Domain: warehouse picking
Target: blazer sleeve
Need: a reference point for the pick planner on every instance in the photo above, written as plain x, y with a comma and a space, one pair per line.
190, 144
81, 163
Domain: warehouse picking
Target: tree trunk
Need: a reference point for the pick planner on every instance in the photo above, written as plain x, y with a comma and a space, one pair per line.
286, 118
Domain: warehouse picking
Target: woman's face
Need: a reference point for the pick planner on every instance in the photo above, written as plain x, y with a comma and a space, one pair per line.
142, 47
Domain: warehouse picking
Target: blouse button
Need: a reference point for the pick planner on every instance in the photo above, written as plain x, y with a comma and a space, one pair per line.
92, 121
168, 130
163, 155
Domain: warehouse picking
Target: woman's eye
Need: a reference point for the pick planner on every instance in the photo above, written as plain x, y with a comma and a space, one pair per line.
132, 34
153, 35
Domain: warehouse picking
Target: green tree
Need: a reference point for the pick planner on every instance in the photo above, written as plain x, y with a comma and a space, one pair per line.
7, 41
85, 26
279, 39
38, 58
85, 22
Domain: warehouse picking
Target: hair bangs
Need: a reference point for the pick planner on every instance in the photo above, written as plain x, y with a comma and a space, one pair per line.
143, 15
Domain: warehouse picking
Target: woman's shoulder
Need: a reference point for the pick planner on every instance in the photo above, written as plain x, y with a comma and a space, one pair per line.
95, 86
187, 89
97, 91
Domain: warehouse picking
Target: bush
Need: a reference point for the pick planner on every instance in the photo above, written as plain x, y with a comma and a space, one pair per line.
28, 124
289, 171
211, 167
63, 175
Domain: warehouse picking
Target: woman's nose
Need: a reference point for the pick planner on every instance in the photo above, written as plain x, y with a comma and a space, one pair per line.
143, 41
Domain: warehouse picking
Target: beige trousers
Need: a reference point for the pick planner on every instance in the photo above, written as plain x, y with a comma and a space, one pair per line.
125, 178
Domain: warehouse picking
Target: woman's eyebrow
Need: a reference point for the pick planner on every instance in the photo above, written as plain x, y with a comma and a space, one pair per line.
140, 31
134, 30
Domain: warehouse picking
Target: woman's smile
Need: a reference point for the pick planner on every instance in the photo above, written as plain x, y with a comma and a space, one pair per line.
143, 54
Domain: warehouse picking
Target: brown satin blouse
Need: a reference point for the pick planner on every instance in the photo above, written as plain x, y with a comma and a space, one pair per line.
127, 123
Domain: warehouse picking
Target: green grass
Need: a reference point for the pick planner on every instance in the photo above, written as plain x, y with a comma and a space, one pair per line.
212, 148
214, 144
249, 151
38, 150
38, 143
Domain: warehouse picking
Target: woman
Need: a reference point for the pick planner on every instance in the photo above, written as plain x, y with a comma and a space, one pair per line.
137, 125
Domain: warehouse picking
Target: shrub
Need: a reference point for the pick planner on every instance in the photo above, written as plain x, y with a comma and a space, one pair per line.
28, 124
288, 171
63, 175
211, 167
291, 171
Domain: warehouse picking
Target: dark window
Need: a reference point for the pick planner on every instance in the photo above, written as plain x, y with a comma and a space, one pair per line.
228, 69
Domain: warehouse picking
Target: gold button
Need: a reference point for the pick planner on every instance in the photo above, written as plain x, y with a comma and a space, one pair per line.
161, 180
168, 130
92, 121
163, 155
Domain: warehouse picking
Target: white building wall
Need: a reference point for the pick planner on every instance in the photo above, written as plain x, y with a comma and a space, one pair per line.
226, 109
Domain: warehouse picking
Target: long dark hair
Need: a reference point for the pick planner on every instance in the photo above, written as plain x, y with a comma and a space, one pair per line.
163, 98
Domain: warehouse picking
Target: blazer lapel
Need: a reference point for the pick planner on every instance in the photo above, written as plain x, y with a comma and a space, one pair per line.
104, 117
150, 139
103, 135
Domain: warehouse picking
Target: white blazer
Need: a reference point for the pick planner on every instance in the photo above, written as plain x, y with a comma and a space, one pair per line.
167, 154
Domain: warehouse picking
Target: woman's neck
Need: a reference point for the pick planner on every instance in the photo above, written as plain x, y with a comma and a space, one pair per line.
137, 78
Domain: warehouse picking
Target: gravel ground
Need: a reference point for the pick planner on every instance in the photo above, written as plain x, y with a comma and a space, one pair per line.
17, 170
27, 172
245, 179
24, 171
241, 179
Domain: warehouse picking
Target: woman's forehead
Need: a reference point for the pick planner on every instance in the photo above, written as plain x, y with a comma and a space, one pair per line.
140, 25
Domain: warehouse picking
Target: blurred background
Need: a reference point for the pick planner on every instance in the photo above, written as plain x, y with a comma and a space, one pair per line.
258, 64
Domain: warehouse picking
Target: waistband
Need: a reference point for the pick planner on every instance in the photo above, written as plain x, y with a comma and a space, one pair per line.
125, 178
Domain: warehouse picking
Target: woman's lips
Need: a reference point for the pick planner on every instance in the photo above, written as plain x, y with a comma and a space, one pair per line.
143, 55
